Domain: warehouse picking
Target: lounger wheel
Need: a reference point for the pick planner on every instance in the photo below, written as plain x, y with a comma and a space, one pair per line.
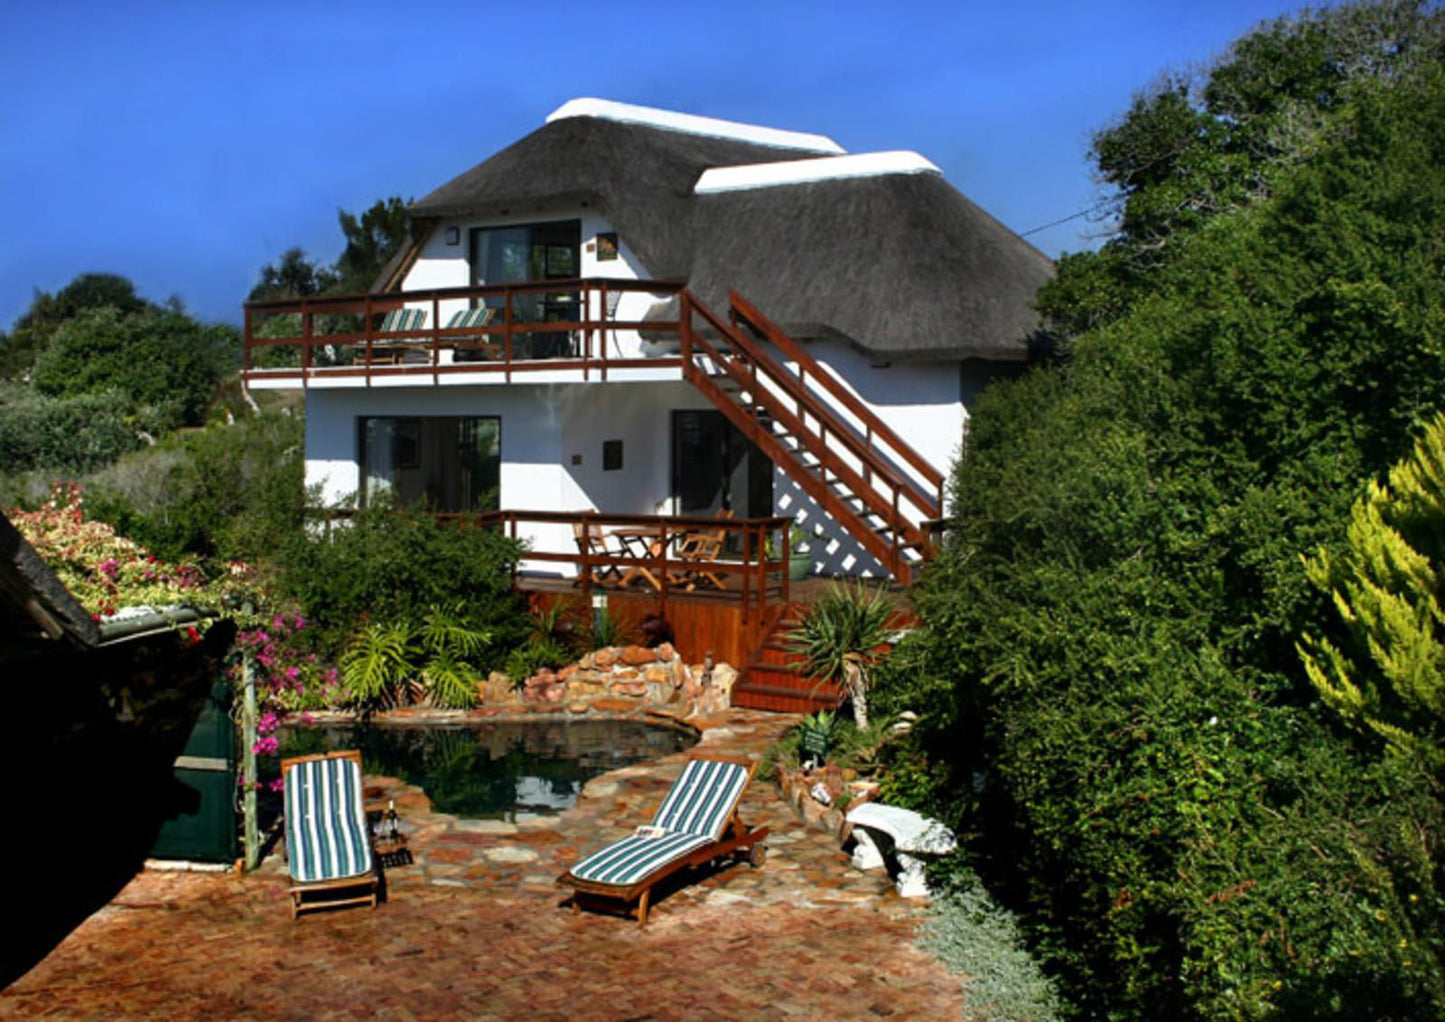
757, 855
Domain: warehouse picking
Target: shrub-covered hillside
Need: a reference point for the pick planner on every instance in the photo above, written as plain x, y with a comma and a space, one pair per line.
1113, 702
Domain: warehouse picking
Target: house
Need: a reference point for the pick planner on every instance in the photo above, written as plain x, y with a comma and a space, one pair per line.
638, 313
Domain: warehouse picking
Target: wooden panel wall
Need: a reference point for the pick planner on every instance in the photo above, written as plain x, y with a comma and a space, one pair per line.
699, 626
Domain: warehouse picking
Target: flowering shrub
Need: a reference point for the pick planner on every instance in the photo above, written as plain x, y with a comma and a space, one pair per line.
289, 678
106, 571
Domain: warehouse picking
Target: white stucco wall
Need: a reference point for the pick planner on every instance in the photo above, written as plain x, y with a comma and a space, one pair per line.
551, 437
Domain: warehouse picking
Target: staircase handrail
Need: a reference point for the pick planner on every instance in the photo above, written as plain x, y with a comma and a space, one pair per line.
873, 426
825, 416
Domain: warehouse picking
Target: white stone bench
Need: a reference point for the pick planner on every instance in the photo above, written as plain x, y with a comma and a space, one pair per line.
910, 835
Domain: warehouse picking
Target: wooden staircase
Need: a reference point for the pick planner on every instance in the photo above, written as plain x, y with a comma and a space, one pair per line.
880, 490
871, 482
775, 680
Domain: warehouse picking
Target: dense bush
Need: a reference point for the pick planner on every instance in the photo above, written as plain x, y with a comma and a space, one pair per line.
159, 358
1113, 711
63, 434
231, 491
380, 565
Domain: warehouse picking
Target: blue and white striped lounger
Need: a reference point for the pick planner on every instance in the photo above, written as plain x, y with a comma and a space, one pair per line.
328, 846
472, 348
696, 823
402, 320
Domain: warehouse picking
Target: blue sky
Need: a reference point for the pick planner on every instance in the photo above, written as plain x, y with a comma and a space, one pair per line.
184, 145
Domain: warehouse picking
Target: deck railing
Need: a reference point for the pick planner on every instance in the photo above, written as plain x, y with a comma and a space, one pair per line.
750, 567
649, 554
548, 325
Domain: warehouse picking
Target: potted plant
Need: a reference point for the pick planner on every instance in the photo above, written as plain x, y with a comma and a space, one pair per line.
800, 557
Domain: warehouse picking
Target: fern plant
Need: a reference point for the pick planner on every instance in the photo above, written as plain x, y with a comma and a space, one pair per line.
387, 665
377, 665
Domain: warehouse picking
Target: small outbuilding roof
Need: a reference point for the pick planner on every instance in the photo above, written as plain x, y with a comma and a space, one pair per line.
33, 600
874, 249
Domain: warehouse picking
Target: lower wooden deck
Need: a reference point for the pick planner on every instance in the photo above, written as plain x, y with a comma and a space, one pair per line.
719, 624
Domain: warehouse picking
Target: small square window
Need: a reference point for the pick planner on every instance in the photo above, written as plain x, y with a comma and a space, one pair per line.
611, 455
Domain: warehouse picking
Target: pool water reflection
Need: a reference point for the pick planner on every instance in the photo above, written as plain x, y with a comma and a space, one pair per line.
498, 770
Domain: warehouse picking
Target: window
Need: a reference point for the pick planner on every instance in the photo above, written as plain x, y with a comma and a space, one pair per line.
443, 463
524, 254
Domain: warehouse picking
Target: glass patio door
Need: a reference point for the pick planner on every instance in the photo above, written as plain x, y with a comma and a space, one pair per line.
440, 463
716, 468
525, 254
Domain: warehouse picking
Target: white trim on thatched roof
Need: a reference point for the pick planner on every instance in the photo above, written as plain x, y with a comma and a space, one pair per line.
798, 172
692, 124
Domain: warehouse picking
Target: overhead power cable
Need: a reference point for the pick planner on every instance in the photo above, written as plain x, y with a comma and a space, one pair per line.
1045, 227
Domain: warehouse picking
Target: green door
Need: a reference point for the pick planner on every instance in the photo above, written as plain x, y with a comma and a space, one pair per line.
204, 827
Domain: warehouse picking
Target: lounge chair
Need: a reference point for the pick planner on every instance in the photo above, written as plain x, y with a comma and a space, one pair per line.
328, 846
477, 347
400, 349
697, 822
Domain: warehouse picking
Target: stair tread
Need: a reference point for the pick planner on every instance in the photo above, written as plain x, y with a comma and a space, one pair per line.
822, 695
789, 669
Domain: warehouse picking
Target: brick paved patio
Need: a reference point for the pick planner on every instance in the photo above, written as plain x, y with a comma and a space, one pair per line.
474, 928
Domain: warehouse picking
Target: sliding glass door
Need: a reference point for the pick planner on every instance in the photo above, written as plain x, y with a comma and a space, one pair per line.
716, 468
528, 253
442, 463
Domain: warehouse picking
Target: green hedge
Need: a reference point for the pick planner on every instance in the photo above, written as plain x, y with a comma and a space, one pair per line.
1113, 710
63, 434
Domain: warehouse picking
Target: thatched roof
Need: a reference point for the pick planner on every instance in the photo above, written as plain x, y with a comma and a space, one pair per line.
640, 177
33, 601
877, 250
902, 266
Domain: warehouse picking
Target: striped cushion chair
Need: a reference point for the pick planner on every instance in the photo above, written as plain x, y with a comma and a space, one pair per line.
697, 822
328, 846
401, 320
477, 346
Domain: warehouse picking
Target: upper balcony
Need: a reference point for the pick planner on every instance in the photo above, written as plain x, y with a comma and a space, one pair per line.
543, 332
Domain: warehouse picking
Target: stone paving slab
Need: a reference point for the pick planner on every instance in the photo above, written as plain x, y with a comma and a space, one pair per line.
474, 928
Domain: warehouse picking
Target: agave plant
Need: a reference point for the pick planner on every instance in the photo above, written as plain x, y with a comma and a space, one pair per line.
840, 640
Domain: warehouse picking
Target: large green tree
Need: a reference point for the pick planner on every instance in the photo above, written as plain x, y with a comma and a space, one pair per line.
1198, 145
371, 240
1111, 699
160, 359
293, 276
33, 330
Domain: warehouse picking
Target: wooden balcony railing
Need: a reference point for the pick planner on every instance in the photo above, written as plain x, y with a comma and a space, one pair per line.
551, 325
739, 560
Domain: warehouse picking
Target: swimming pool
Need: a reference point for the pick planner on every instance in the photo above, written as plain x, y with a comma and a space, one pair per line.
500, 770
